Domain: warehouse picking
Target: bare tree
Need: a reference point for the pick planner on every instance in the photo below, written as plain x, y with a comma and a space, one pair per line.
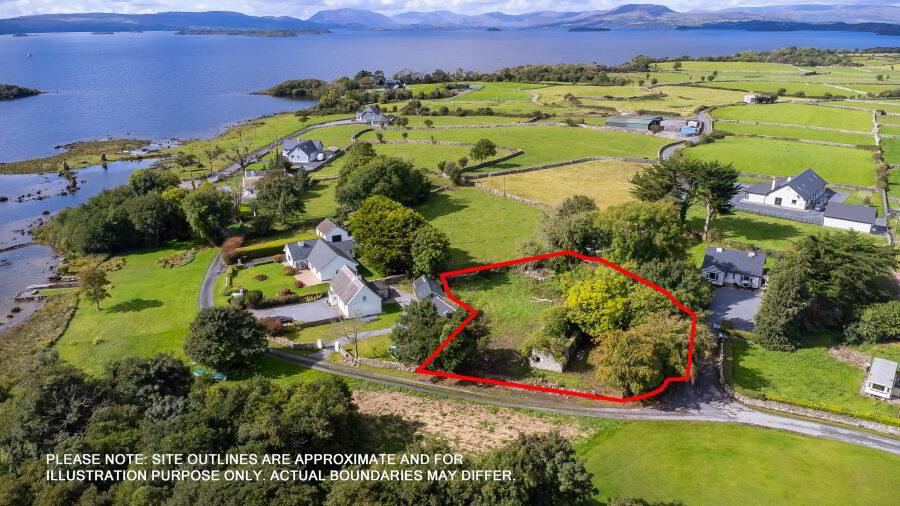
212, 154
351, 329
240, 153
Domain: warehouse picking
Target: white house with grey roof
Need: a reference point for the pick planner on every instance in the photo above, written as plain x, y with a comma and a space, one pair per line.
332, 232
722, 266
429, 289
372, 115
352, 295
323, 258
882, 379
794, 192
850, 217
299, 153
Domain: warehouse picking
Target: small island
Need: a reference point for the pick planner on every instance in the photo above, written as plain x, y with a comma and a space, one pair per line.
11, 91
588, 29
297, 88
251, 33
494, 29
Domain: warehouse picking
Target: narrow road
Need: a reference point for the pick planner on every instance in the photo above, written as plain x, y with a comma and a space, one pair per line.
206, 298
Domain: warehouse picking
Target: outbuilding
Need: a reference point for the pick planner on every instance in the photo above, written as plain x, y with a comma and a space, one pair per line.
429, 289
331, 231
634, 122
324, 258
850, 217
882, 379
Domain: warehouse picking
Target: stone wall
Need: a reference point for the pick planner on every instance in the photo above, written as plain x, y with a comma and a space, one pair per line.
810, 127
510, 196
558, 164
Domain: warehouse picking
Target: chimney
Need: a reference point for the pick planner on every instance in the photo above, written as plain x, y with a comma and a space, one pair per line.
789, 178
718, 250
751, 254
773, 183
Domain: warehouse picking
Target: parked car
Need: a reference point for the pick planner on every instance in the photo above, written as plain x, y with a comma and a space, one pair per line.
282, 319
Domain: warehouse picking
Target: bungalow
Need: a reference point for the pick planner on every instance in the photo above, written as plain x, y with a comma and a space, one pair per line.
353, 296
300, 153
331, 232
634, 122
372, 115
882, 379
796, 192
324, 258
850, 217
428, 289
734, 267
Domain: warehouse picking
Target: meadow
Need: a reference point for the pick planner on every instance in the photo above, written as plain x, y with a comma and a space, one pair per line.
678, 100
787, 158
499, 91
798, 133
799, 114
556, 93
607, 182
723, 66
808, 89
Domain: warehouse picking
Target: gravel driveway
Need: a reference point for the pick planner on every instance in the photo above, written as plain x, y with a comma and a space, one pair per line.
305, 312
735, 304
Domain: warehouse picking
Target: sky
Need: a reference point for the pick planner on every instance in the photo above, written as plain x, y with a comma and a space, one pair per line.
305, 8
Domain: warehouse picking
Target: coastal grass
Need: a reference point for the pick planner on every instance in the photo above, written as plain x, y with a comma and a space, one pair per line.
482, 227
19, 343
797, 133
607, 182
546, 144
661, 462
790, 88
799, 114
77, 155
149, 310
786, 158
809, 373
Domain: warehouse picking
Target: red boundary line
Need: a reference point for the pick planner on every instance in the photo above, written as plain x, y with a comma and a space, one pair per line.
472, 313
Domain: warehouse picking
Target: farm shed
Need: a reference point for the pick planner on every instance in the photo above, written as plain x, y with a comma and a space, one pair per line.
850, 217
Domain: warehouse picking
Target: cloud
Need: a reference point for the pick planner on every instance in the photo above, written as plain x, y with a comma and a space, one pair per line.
306, 8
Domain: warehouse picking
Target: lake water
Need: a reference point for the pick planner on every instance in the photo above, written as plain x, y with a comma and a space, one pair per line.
159, 85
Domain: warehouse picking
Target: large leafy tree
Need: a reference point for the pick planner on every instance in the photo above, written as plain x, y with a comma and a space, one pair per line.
152, 180
150, 214
93, 284
641, 231
391, 177
384, 231
280, 195
420, 330
225, 338
483, 149
208, 211
877, 324
430, 251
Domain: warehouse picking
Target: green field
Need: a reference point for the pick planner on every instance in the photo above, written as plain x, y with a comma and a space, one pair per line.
425, 155
797, 133
545, 144
334, 136
331, 331
729, 66
148, 313
799, 114
482, 227
679, 100
787, 158
891, 150
882, 104
607, 182
499, 91
808, 89
556, 93
449, 120
720, 463
809, 373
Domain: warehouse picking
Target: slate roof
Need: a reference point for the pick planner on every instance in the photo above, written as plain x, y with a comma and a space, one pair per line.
883, 371
851, 212
428, 288
733, 260
371, 108
310, 147
807, 184
317, 252
326, 226
633, 121
348, 283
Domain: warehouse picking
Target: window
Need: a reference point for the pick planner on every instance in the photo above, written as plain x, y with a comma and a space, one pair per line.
777, 201
876, 386
793, 202
712, 276
745, 278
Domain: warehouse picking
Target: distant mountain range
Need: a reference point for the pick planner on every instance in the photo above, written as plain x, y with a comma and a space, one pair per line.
630, 16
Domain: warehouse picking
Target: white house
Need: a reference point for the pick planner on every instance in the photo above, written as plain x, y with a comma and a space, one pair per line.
323, 258
795, 192
372, 115
300, 153
331, 231
723, 266
352, 295
850, 217
882, 379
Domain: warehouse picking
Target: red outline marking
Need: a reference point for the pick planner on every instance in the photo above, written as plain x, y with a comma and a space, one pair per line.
472, 313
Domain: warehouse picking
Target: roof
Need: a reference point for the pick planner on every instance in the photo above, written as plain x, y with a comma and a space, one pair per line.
733, 260
807, 184
851, 212
310, 147
326, 226
645, 121
428, 288
883, 371
346, 284
317, 252
371, 108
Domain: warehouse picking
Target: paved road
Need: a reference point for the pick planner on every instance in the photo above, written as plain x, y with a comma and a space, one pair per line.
206, 298
302, 312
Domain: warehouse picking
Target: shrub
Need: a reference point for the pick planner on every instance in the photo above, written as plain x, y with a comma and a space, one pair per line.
273, 326
278, 258
289, 270
290, 299
299, 284
230, 247
284, 292
260, 277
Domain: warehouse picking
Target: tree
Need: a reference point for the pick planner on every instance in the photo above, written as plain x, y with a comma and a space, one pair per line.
683, 179
149, 214
718, 185
144, 181
93, 284
878, 323
158, 384
351, 330
777, 323
225, 338
208, 211
239, 153
430, 251
676, 65
420, 330
280, 195
384, 232
546, 470
641, 231
391, 177
576, 204
483, 149
429, 123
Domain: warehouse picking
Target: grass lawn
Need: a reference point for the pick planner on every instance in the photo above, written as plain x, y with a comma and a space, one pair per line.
482, 227
720, 463
808, 89
331, 331
797, 133
859, 197
376, 347
882, 104
809, 373
556, 93
891, 150
799, 114
607, 182
337, 136
320, 201
252, 247
275, 281
148, 312
786, 158
500, 91
547, 144
425, 155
